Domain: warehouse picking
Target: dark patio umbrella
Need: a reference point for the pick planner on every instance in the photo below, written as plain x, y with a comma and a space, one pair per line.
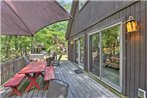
27, 17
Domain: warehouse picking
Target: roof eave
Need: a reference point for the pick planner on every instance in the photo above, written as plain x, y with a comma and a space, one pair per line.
72, 12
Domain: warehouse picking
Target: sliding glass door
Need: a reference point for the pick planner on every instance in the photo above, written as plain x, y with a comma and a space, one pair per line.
105, 54
95, 54
79, 58
111, 55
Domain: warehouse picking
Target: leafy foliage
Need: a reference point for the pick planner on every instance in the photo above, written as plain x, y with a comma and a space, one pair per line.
14, 46
66, 4
52, 36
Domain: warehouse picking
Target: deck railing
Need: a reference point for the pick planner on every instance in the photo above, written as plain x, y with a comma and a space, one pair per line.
10, 68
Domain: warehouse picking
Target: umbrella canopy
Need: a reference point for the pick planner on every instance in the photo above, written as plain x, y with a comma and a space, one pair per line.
27, 17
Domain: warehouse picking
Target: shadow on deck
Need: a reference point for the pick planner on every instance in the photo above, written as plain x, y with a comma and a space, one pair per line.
80, 85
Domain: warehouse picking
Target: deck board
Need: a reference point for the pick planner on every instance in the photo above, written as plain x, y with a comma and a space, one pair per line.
70, 94
80, 85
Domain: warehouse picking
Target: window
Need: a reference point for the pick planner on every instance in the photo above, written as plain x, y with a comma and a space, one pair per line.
82, 3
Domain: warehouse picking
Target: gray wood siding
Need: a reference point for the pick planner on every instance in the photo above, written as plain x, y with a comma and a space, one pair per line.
70, 51
142, 46
91, 12
135, 44
146, 43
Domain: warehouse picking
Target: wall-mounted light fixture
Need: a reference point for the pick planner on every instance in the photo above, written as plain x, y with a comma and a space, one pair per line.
71, 42
131, 25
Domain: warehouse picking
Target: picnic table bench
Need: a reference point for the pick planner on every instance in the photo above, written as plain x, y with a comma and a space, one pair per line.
49, 75
35, 68
14, 83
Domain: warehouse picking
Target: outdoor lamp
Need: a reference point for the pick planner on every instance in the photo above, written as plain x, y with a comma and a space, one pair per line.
131, 24
71, 42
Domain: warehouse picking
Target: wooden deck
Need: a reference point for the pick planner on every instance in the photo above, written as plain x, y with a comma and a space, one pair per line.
80, 85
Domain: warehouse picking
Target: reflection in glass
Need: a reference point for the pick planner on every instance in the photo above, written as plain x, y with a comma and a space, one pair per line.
111, 54
95, 54
82, 51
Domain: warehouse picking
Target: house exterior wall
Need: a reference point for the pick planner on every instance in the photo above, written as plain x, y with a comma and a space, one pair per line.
99, 14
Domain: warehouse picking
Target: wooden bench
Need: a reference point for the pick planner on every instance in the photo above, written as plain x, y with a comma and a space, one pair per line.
49, 75
14, 83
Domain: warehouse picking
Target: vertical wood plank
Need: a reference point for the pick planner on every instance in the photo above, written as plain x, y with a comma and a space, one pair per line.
146, 41
132, 45
128, 47
142, 46
137, 49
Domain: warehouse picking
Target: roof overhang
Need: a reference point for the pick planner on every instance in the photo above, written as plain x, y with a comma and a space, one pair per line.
72, 12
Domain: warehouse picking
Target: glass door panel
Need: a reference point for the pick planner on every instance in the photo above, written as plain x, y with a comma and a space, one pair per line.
111, 55
95, 54
76, 51
82, 51
79, 52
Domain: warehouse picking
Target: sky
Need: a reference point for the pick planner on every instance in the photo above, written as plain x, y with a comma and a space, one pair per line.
66, 4
66, 0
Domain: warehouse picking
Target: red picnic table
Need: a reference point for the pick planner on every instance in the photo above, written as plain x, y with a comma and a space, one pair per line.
35, 67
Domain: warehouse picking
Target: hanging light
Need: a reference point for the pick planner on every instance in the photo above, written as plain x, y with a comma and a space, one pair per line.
131, 24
